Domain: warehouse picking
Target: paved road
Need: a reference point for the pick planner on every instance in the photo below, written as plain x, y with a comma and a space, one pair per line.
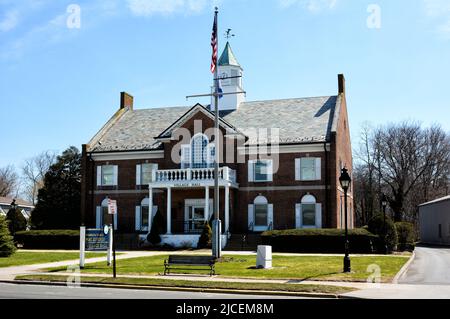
21, 291
431, 266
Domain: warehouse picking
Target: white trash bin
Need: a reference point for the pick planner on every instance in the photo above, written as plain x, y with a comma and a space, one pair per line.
264, 257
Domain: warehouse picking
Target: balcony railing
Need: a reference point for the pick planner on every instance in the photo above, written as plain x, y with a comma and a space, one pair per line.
194, 175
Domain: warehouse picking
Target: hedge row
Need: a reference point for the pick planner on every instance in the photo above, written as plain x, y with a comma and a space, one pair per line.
49, 239
325, 241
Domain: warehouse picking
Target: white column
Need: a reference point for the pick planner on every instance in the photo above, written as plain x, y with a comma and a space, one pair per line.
169, 210
150, 208
206, 203
227, 208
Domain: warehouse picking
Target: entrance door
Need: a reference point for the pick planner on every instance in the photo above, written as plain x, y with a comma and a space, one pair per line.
196, 219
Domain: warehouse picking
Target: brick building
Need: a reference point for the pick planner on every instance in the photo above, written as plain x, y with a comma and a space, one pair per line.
280, 162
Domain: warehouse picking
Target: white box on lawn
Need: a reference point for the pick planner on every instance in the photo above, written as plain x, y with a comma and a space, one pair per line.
264, 257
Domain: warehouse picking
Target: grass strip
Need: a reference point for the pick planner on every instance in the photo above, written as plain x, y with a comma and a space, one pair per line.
298, 288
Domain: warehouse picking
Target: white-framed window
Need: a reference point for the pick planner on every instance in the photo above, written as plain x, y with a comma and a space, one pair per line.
107, 175
260, 214
308, 169
142, 216
102, 216
260, 171
145, 173
308, 213
198, 154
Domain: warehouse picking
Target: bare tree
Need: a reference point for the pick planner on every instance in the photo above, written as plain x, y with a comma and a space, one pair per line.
8, 181
34, 171
412, 165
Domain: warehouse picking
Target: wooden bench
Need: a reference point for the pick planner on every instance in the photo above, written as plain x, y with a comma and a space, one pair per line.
183, 262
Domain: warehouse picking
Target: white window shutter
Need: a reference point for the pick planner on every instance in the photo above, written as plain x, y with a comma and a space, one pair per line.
251, 171
210, 156
138, 218
138, 174
270, 215
116, 175
98, 217
270, 170
319, 215
297, 169
298, 215
154, 169
251, 216
99, 176
318, 169
185, 156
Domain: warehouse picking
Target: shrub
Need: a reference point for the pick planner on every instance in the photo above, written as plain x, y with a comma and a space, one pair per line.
16, 221
376, 226
7, 247
49, 239
406, 235
319, 240
205, 238
158, 228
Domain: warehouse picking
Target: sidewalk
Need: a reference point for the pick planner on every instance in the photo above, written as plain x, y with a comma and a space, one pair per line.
366, 290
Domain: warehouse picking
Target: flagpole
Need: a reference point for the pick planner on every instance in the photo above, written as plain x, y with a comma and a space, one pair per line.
217, 225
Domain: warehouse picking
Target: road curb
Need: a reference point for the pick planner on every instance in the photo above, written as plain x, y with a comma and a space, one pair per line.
181, 289
404, 269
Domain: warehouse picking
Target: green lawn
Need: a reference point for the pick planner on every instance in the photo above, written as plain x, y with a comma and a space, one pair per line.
30, 258
300, 268
298, 288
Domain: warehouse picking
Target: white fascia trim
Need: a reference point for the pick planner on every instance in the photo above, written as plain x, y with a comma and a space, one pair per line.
121, 156
283, 149
188, 116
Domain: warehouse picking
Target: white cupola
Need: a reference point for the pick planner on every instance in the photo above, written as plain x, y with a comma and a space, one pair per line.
230, 67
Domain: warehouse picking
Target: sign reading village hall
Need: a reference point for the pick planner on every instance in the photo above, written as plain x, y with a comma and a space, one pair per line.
96, 240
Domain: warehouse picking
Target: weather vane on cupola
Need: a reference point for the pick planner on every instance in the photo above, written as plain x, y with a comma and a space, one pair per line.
228, 34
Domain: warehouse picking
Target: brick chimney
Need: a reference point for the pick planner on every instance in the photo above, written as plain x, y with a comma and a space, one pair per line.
126, 100
341, 81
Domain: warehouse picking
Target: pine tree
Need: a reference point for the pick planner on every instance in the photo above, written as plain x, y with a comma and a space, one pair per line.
158, 225
59, 200
205, 237
7, 247
16, 221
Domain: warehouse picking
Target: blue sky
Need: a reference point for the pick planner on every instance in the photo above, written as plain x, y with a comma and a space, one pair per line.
59, 85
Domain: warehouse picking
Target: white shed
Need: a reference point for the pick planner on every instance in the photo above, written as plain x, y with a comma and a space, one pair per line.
434, 221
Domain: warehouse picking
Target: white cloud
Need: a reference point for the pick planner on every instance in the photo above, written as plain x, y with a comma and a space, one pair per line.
436, 8
167, 7
439, 12
310, 5
10, 21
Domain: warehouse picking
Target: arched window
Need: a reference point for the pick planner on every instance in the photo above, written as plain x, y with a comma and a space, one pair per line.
308, 213
102, 216
260, 214
199, 148
198, 154
142, 215
261, 211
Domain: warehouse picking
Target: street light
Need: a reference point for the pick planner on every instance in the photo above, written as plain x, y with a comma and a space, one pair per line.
384, 203
345, 181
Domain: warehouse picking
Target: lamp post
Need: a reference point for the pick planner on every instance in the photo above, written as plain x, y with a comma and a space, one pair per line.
384, 203
13, 217
345, 181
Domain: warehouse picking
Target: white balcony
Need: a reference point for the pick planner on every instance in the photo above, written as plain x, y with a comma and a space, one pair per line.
194, 177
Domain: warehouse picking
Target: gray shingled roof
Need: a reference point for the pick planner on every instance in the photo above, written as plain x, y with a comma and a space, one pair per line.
300, 120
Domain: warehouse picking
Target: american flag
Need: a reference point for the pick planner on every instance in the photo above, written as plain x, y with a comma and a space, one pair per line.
214, 45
